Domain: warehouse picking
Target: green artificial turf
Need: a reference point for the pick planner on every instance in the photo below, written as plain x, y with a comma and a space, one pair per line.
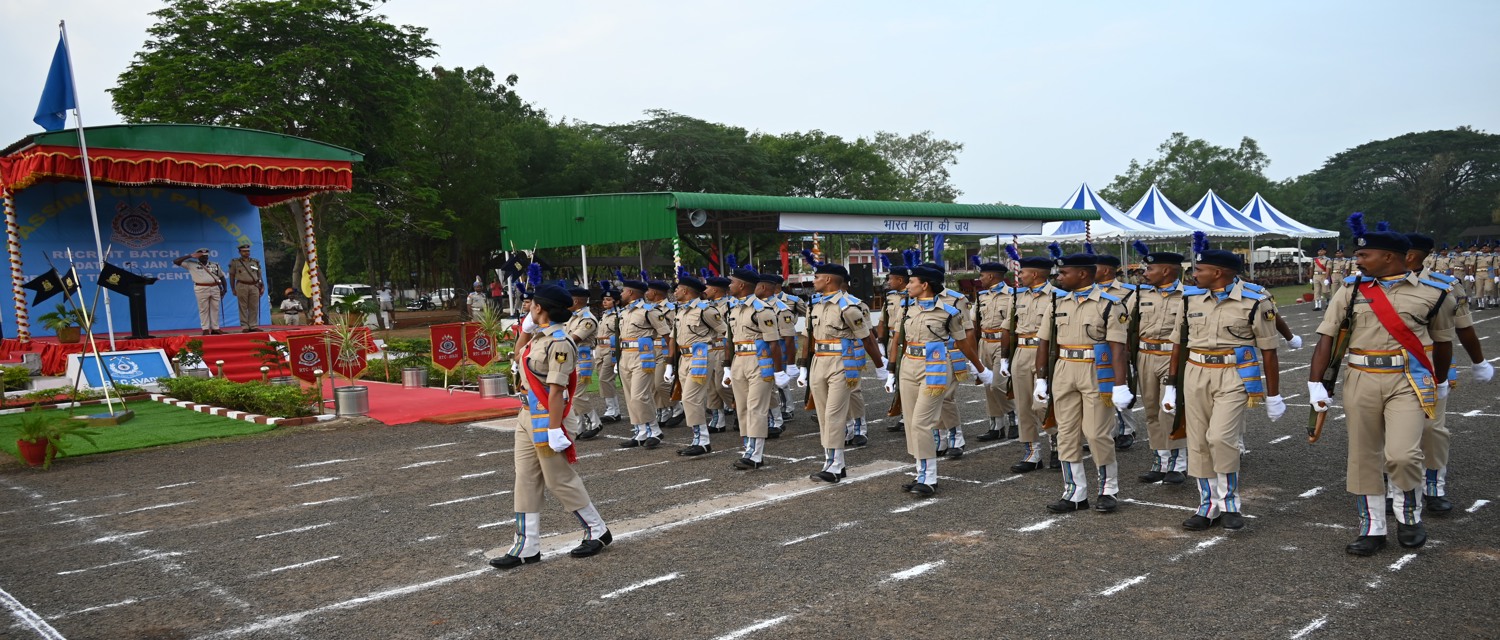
154, 424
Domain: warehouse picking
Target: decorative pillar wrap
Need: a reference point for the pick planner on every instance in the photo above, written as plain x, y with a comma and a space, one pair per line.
676, 257
313, 274
17, 275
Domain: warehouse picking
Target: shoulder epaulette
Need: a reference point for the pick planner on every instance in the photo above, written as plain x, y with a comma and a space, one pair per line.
952, 310
1109, 296
1253, 294
1442, 277
1189, 290
780, 305
1436, 284
845, 300
1350, 279
1253, 286
952, 294
1059, 293
757, 304
1125, 285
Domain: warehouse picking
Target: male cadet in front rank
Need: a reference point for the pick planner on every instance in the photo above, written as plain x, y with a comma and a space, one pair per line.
699, 330
642, 324
1035, 300
755, 364
840, 340
994, 309
1159, 302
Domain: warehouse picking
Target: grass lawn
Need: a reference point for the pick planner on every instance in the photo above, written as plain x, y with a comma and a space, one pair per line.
154, 424
1290, 293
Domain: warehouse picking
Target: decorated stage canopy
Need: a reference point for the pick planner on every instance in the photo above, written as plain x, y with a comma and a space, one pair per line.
162, 190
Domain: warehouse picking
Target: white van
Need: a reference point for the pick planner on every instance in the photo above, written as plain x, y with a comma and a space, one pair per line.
366, 296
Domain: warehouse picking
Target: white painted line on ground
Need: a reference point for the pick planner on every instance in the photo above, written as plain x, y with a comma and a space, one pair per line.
470, 498
1470, 414
422, 464
105, 515
428, 538
1171, 506
643, 466
684, 484
763, 624
1040, 525
168, 554
293, 618
119, 536
1326, 525
640, 585
1310, 492
1281, 439
1123, 585
297, 530
914, 571
434, 446
29, 617
330, 501
1477, 505
128, 601
315, 481
490, 453
481, 474
496, 524
916, 505
1298, 368
299, 565
169, 486
1311, 627
1005, 479
842, 525
319, 464
1406, 559
960, 479
1199, 548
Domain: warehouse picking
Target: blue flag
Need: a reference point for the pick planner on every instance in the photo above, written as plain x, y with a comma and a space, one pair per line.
58, 96
937, 248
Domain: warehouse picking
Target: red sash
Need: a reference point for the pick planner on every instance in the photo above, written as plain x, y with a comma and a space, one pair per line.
1393, 324
1321, 264
544, 399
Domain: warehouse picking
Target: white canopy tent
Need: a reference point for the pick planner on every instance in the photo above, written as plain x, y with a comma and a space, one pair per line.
1213, 210
1112, 225
1272, 218
1155, 209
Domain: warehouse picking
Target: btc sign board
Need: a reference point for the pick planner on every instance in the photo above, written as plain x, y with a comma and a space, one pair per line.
138, 368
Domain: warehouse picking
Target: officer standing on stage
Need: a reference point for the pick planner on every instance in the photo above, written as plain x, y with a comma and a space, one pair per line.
249, 286
698, 335
720, 397
1088, 382
1161, 309
208, 288
1393, 384
1034, 299
994, 308
642, 325
583, 329
840, 341
755, 364
1231, 342
1322, 278
888, 330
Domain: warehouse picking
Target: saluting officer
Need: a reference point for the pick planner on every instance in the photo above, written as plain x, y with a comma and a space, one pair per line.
720, 397
1107, 276
841, 340
995, 305
755, 364
642, 325
1161, 304
888, 330
583, 329
1393, 385
249, 286
208, 287
1033, 298
1232, 365
544, 451
699, 333
1088, 381
769, 290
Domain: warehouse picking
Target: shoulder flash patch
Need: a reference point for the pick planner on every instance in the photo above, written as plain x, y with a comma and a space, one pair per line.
1271, 315
1124, 318
561, 358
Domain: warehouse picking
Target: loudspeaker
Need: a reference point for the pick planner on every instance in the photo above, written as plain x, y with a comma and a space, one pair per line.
862, 281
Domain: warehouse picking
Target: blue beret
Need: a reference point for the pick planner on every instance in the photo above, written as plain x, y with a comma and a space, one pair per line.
993, 267
1221, 258
659, 285
1078, 260
716, 281
1106, 260
692, 283
832, 270
634, 284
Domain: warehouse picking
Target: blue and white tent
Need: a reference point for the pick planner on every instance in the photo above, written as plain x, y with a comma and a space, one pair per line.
1272, 218
1213, 210
1112, 224
1155, 209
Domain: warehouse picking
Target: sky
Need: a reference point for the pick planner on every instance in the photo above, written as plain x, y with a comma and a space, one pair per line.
1043, 95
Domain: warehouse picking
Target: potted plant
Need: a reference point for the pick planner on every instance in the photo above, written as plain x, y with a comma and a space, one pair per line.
272, 355
189, 359
346, 336
41, 437
64, 322
494, 384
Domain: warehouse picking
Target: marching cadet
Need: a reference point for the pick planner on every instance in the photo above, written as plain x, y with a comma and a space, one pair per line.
208, 287
951, 444
642, 324
928, 373
1160, 306
698, 331
1033, 299
1088, 383
606, 354
1107, 276
994, 307
583, 329
855, 434
249, 286
544, 452
840, 341
799, 308
769, 290
1436, 438
668, 413
755, 364
1485, 265
1322, 277
888, 330
1340, 268
1443, 263
1467, 265
1394, 318
1231, 365
720, 397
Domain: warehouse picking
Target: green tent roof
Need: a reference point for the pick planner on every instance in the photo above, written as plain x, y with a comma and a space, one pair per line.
192, 138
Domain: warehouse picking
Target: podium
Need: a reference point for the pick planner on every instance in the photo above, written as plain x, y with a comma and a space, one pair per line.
133, 286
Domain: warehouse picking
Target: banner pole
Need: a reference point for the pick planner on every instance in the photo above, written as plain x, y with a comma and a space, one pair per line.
88, 183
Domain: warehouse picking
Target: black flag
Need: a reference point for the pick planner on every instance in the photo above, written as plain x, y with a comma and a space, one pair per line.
50, 284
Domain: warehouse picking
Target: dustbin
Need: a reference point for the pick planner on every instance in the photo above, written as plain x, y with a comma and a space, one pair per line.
494, 385
414, 377
351, 401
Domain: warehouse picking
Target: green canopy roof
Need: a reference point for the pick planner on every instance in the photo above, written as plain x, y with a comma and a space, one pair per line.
192, 138
628, 217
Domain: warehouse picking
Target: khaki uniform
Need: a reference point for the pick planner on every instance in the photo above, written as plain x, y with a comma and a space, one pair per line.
208, 288
925, 322
835, 319
721, 398
994, 307
1385, 418
752, 319
1340, 268
855, 424
786, 326
698, 322
1322, 279
1124, 420
583, 329
954, 438
640, 319
1085, 318
1484, 274
1436, 439
663, 398
1034, 307
1161, 319
890, 318
249, 284
604, 354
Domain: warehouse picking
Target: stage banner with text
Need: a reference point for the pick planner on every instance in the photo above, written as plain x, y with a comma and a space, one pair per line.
314, 350
447, 345
143, 228
480, 345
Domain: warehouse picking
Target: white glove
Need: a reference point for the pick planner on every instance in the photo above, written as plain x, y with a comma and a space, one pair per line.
1169, 399
1496, 279
1295, 342
1325, 282
1275, 407
727, 381
801, 378
985, 377
781, 379
668, 375
1483, 371
1039, 393
528, 325
1005, 367
1442, 389
1312, 281
882, 351
1468, 278
881, 374
1122, 396
557, 440
1317, 396
793, 370
890, 383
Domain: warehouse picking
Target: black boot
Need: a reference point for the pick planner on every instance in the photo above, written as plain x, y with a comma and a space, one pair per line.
1366, 545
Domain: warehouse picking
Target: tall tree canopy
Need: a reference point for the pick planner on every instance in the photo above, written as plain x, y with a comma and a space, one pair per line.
1186, 168
921, 163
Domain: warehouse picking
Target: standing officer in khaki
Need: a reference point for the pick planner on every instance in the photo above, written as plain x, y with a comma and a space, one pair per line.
657, 292
249, 286
1393, 385
1340, 268
841, 339
887, 331
720, 397
1322, 278
583, 329
855, 433
208, 288
606, 368
1090, 334
1107, 276
1161, 318
769, 290
755, 364
1485, 265
699, 334
642, 324
951, 444
994, 306
1231, 342
927, 372
1033, 297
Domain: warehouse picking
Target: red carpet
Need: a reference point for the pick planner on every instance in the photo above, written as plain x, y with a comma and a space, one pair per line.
392, 404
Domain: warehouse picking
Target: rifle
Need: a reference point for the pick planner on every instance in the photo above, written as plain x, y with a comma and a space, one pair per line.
1315, 418
1178, 372
1050, 422
804, 359
1008, 348
894, 363
675, 359
1133, 348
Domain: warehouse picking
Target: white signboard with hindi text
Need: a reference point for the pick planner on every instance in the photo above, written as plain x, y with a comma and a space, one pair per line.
884, 225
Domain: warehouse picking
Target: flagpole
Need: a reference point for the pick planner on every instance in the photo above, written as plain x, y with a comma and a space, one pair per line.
88, 329
88, 183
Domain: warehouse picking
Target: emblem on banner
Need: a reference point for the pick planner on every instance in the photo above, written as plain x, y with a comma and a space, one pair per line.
448, 346
124, 368
135, 227
309, 357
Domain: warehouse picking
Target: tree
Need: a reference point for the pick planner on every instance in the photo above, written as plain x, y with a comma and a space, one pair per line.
673, 152
819, 165
1186, 168
921, 164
